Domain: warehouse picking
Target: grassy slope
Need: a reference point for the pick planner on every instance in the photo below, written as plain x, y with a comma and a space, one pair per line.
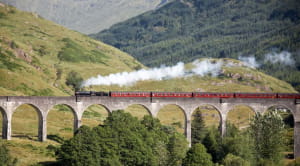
40, 71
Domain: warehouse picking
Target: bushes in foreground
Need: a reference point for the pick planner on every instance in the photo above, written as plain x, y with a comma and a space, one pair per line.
124, 140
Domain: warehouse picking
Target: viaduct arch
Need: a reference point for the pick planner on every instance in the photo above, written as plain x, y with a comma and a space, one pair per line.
188, 105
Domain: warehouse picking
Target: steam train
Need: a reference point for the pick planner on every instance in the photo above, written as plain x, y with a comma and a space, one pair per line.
187, 94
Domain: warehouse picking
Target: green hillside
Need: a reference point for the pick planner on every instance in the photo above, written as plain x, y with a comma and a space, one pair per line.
190, 29
37, 55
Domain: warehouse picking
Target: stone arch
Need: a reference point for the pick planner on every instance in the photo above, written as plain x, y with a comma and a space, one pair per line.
280, 105
215, 107
240, 115
140, 105
60, 120
69, 106
4, 123
95, 114
169, 115
37, 110
102, 105
232, 106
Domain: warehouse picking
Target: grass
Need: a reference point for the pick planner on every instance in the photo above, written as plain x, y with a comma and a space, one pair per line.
172, 115
240, 116
137, 111
30, 152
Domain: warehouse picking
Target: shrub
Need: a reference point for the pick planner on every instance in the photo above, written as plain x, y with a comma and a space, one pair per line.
197, 155
232, 160
74, 80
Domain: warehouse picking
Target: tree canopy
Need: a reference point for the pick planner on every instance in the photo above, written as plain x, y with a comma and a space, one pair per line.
124, 140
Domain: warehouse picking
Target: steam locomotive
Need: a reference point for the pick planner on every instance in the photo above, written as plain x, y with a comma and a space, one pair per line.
187, 94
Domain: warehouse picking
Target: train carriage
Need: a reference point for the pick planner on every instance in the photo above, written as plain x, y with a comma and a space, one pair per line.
212, 95
289, 95
255, 95
130, 94
172, 94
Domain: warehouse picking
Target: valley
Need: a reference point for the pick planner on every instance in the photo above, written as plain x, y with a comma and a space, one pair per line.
41, 58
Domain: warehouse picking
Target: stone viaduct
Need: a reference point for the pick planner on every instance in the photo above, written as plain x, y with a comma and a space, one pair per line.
188, 105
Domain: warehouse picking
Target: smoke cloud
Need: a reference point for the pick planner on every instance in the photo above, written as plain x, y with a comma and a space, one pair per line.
201, 68
283, 57
206, 67
249, 61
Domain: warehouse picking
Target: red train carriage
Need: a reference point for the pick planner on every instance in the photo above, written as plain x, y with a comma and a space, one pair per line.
172, 94
130, 94
213, 95
255, 95
289, 95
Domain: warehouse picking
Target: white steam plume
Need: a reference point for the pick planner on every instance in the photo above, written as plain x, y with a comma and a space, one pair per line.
283, 57
249, 61
207, 67
201, 68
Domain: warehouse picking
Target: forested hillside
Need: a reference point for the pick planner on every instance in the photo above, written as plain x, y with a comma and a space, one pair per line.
189, 29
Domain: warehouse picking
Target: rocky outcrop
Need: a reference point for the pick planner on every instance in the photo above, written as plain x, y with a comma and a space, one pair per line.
23, 55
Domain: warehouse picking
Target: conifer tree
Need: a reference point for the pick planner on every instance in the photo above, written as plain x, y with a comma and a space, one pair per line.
198, 128
267, 131
197, 156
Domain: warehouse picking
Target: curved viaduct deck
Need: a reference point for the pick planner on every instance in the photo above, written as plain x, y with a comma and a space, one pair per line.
9, 104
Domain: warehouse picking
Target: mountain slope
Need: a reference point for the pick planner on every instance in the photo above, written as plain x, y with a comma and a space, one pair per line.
189, 29
88, 16
37, 55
